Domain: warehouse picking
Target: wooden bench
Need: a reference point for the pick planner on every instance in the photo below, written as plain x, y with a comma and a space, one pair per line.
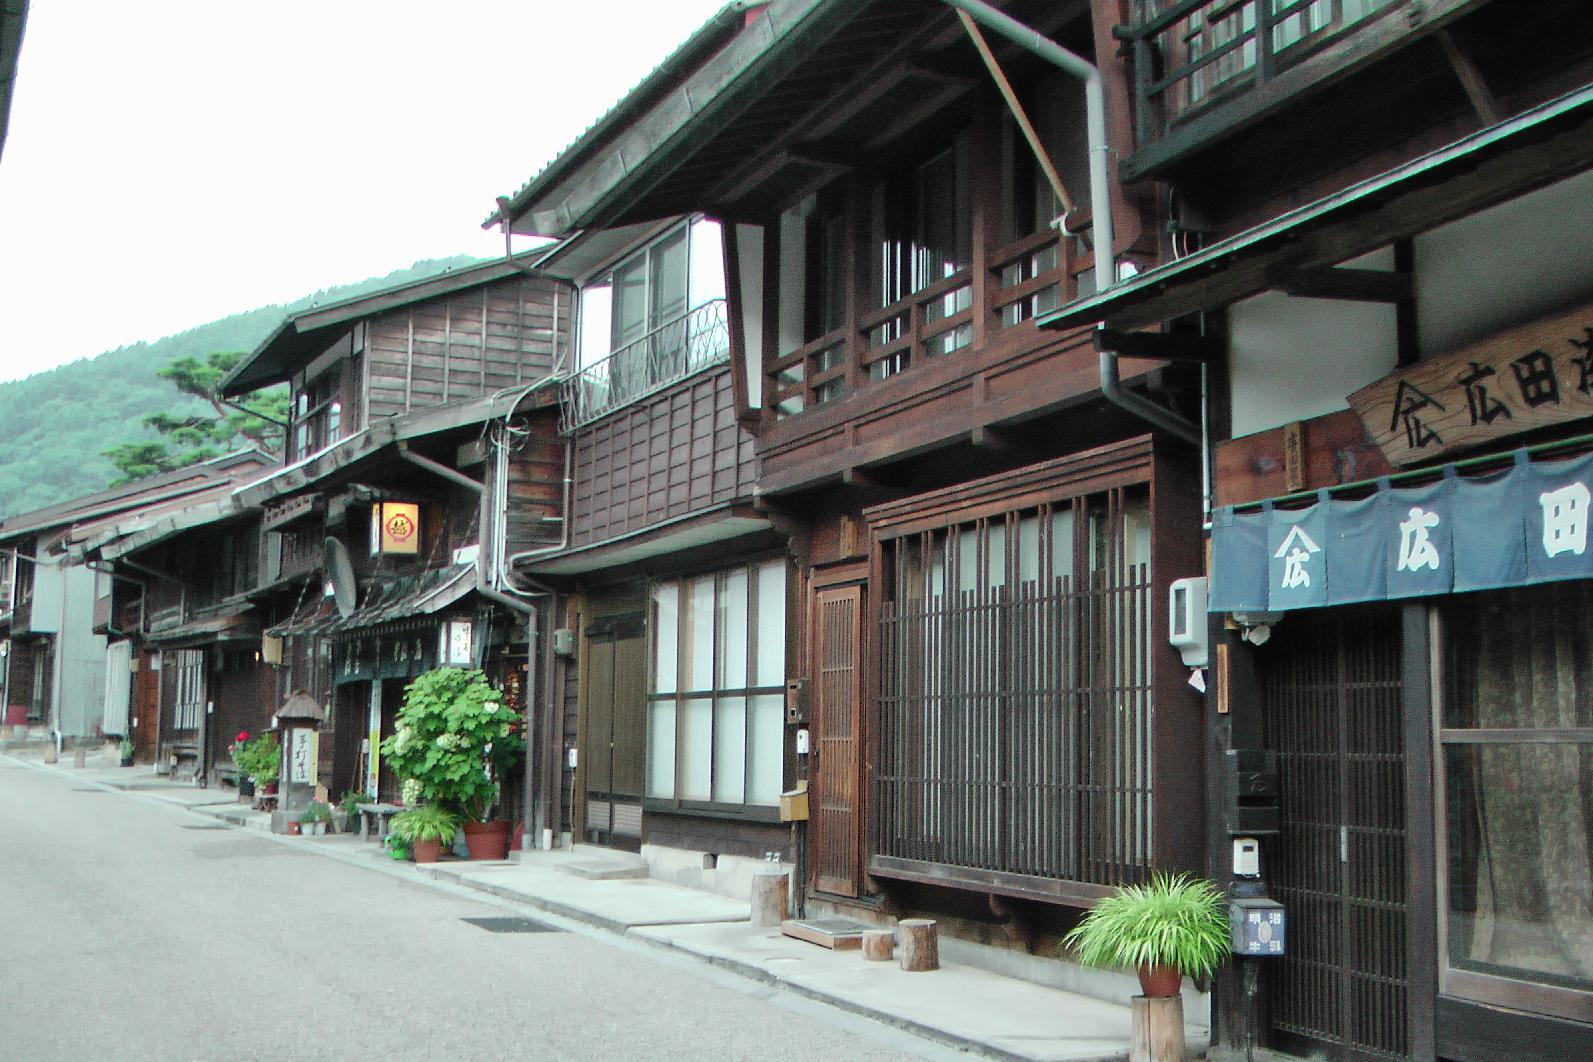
380, 814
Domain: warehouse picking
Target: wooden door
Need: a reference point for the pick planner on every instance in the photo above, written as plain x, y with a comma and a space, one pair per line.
838, 719
1334, 716
146, 707
614, 735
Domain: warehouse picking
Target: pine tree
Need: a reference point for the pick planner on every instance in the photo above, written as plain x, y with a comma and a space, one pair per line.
189, 439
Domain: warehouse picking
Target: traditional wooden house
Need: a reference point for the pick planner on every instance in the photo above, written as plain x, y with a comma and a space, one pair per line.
1379, 212
977, 522
382, 538
69, 637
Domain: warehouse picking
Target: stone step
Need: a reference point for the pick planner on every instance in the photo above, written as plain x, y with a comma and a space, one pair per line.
600, 864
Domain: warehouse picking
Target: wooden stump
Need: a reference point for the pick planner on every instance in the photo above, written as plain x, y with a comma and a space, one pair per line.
879, 945
1157, 1029
770, 899
918, 948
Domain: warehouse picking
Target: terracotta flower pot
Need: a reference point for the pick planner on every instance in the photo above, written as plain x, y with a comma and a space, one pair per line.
1160, 980
487, 840
294, 829
426, 851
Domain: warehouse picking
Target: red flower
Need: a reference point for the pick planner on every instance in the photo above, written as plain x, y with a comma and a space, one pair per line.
243, 735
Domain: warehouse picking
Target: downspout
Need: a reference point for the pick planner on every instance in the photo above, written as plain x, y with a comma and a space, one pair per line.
1032, 40
533, 812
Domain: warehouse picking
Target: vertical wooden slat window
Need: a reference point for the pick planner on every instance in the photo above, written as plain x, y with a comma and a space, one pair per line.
716, 727
1015, 692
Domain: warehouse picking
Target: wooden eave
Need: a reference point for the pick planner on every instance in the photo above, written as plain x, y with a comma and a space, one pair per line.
802, 95
1536, 148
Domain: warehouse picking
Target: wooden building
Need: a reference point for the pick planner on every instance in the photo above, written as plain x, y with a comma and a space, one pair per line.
70, 635
371, 552
973, 543
1379, 211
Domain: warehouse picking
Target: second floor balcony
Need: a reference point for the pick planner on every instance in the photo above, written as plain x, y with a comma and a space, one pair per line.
1204, 68
681, 347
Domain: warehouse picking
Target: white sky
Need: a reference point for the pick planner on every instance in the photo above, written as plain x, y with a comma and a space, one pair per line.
173, 161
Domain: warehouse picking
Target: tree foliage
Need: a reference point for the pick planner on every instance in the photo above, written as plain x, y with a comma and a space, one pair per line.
56, 423
187, 438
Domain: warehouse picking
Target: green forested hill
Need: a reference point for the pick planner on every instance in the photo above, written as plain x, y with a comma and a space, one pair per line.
53, 425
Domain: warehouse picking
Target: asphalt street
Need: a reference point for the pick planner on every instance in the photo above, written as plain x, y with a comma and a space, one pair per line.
133, 929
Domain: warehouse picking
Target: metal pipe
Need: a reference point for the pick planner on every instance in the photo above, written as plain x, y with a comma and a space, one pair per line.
1028, 38
1114, 392
1100, 196
438, 468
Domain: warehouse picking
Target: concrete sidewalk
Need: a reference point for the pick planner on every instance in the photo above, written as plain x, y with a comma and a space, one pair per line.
960, 1006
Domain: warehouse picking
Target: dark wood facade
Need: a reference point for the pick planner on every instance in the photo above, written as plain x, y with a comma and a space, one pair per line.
501, 335
675, 453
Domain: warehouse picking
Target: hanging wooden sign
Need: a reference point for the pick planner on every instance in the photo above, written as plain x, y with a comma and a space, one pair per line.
1524, 378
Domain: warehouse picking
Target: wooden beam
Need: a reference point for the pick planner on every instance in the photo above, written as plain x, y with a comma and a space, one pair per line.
1350, 285
931, 68
1471, 79
1158, 345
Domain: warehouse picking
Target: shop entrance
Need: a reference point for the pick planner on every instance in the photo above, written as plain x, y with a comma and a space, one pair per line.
1333, 716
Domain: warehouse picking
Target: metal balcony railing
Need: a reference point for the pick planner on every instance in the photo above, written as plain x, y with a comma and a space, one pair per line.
696, 340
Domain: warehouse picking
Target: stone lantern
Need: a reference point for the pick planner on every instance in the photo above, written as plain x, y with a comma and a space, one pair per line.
299, 721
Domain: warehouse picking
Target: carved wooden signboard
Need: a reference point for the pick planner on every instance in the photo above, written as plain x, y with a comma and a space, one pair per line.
1527, 377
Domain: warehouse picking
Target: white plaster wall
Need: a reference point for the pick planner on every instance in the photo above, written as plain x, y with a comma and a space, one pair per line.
1521, 260
1293, 359
46, 617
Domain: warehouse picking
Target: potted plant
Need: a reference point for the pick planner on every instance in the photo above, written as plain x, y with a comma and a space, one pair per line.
127, 751
425, 830
313, 819
258, 759
1174, 926
454, 739
346, 816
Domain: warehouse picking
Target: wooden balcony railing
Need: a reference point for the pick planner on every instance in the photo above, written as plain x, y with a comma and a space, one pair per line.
1029, 276
1191, 53
683, 347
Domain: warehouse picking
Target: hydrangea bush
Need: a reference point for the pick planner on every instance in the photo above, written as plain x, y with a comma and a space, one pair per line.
454, 739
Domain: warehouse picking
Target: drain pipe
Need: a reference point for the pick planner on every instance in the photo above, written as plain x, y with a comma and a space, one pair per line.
1028, 38
535, 810
1095, 121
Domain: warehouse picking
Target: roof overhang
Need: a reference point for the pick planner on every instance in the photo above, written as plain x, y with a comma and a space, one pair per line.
1545, 144
631, 145
13, 19
689, 532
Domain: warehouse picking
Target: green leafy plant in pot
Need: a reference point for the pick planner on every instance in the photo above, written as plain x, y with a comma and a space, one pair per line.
126, 752
1174, 926
454, 739
425, 830
259, 758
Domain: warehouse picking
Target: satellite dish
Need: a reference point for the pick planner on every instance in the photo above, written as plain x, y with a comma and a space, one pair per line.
340, 573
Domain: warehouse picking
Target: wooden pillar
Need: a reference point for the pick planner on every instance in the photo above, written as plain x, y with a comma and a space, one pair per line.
770, 899
879, 945
919, 947
1156, 1032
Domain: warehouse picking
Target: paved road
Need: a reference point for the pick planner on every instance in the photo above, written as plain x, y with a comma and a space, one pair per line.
130, 929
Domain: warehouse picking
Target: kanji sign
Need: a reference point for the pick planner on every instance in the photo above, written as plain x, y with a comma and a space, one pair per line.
395, 528
1526, 523
1524, 378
